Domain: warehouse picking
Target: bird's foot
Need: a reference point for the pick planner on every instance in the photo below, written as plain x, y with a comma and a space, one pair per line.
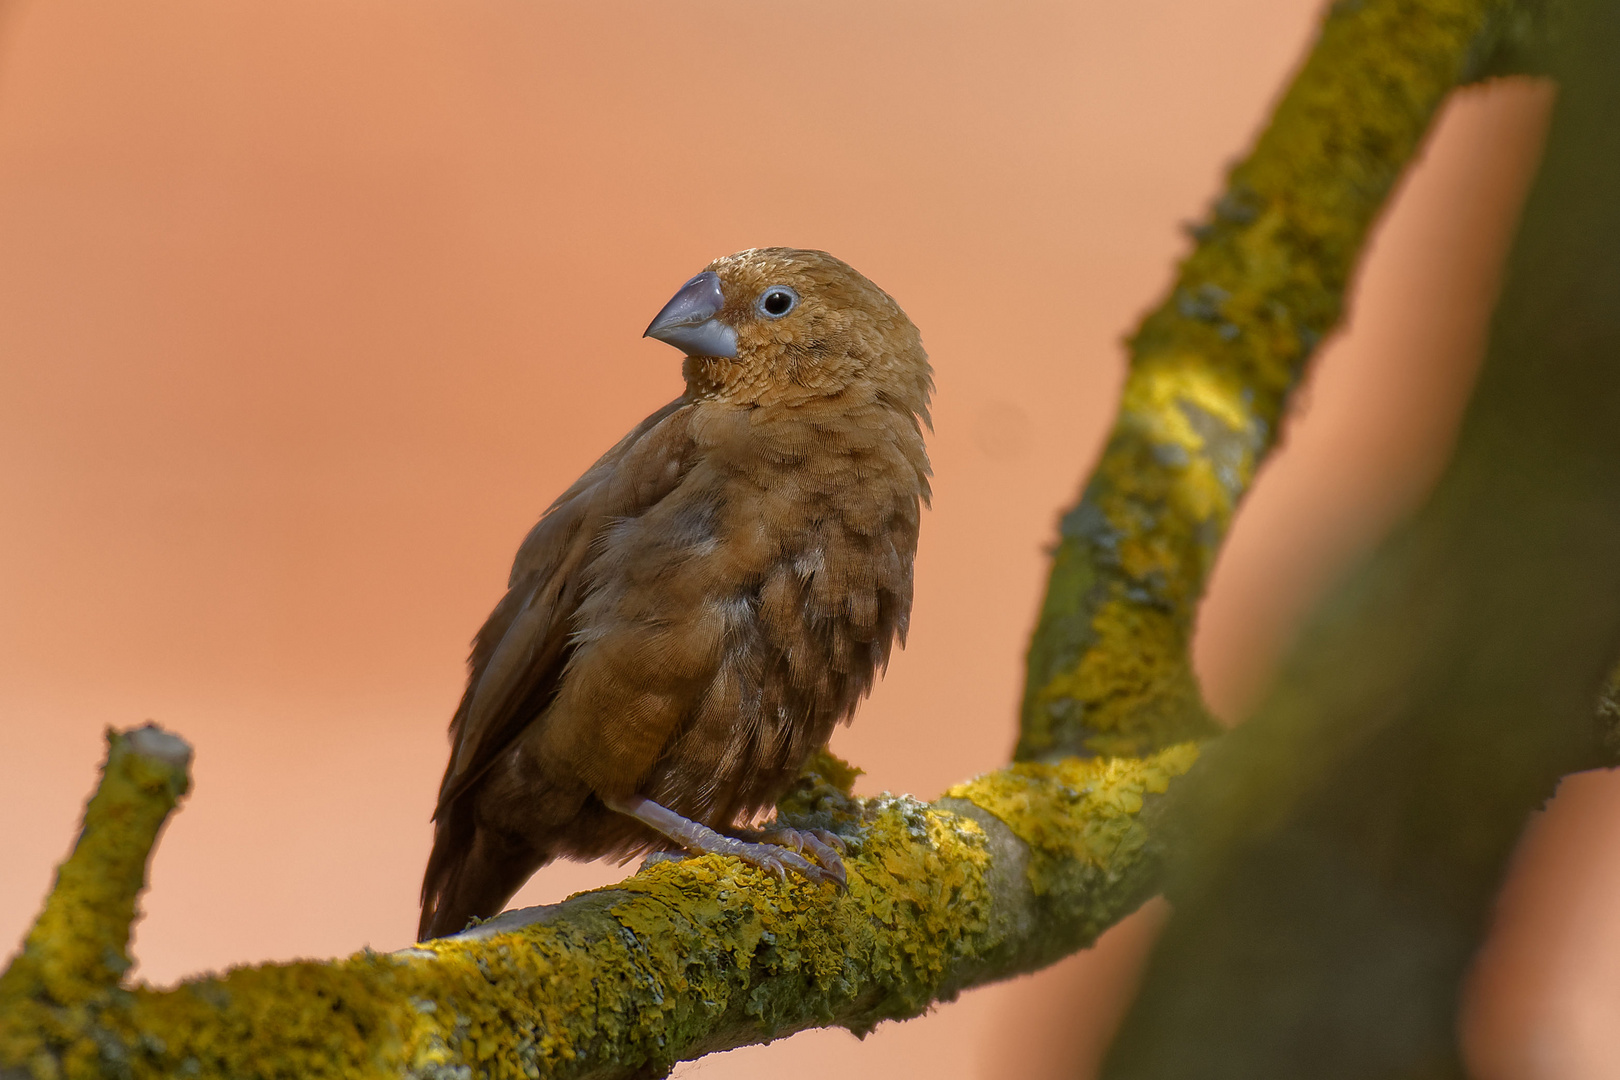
822, 846
768, 855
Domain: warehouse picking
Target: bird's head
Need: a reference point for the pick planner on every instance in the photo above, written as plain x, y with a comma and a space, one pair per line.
782, 326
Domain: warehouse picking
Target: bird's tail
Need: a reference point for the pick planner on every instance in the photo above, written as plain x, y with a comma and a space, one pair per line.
471, 873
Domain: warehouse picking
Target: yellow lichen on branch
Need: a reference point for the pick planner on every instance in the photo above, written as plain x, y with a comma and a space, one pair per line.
1211, 369
1078, 812
682, 959
77, 952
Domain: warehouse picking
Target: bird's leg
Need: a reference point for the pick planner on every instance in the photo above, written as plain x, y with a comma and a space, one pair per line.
823, 846
702, 840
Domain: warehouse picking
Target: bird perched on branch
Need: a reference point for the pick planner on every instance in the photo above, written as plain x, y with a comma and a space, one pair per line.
687, 622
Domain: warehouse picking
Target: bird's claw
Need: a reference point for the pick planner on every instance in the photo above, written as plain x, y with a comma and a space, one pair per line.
819, 844
775, 850
769, 856
778, 859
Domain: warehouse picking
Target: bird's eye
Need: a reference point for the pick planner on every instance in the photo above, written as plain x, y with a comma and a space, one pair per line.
777, 301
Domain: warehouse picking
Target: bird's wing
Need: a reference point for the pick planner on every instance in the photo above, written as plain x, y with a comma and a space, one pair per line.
519, 654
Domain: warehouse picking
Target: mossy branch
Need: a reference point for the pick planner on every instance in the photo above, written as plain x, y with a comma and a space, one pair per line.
1211, 369
1002, 875
1348, 843
74, 958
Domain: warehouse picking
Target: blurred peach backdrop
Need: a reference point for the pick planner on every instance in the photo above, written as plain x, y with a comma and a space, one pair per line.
308, 308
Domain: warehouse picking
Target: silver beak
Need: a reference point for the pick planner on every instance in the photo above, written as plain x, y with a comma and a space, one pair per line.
688, 321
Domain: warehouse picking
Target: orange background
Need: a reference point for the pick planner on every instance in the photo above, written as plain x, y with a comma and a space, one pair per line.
308, 308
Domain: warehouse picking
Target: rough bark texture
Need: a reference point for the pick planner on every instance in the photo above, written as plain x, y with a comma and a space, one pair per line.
1003, 874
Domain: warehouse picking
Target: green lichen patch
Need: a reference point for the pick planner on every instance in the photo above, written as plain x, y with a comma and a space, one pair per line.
1078, 812
823, 795
1137, 693
683, 957
1185, 449
78, 946
350, 1018
54, 993
1149, 528
801, 954
834, 770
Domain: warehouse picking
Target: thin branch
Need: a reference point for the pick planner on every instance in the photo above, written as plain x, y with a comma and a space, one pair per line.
75, 955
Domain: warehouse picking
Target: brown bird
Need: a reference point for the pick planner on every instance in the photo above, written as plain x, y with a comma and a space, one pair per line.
687, 622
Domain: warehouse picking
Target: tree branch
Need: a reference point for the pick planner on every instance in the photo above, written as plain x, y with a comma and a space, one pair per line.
1004, 874
1212, 367
1345, 846
78, 949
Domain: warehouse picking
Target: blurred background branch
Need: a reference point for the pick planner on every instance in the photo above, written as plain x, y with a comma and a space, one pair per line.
1345, 845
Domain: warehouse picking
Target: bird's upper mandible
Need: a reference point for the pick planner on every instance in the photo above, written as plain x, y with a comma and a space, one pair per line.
690, 321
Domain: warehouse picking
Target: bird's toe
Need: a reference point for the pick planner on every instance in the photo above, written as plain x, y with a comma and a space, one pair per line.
792, 845
788, 838
825, 854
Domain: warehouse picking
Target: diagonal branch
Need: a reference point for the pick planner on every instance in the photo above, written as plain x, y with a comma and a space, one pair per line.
1350, 840
1211, 369
78, 949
